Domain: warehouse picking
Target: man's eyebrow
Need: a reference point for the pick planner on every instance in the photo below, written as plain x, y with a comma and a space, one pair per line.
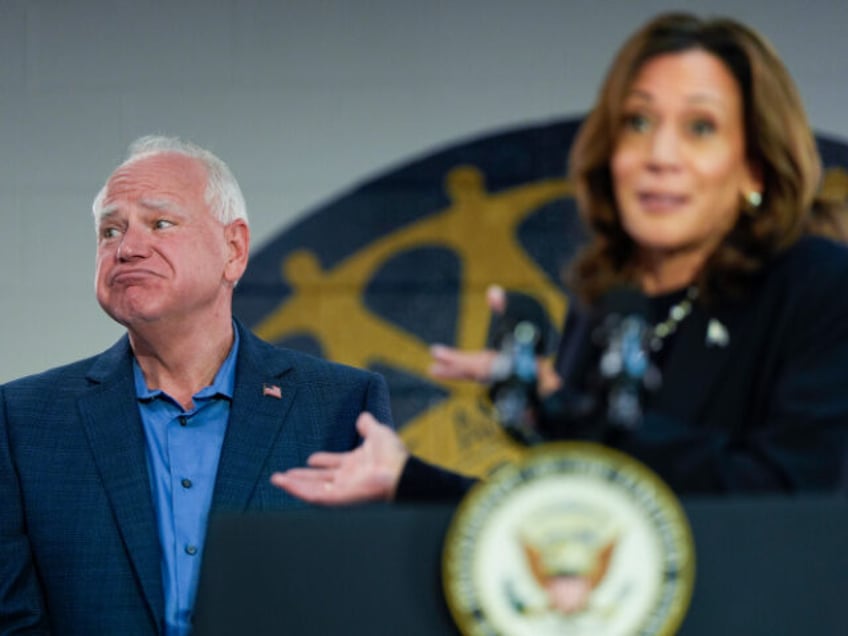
159, 203
151, 204
108, 210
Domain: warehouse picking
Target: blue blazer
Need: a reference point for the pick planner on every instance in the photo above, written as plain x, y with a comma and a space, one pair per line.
79, 549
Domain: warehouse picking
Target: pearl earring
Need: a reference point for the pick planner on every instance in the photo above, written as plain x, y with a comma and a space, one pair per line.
754, 199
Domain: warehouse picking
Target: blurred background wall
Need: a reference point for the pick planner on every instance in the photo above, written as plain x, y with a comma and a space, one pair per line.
304, 99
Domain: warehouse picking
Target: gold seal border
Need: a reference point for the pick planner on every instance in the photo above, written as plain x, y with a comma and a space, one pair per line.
662, 509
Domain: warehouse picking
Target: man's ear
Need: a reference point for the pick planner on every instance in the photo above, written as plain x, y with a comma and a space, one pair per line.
237, 236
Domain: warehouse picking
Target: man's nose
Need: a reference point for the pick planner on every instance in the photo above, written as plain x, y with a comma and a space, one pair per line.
135, 243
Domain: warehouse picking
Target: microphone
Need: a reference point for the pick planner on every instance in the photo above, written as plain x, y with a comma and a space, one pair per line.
520, 332
607, 376
625, 371
511, 308
513, 390
605, 369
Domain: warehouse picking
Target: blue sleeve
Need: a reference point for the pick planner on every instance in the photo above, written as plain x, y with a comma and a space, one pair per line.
377, 400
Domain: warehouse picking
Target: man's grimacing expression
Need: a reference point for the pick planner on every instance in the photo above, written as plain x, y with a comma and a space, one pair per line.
161, 254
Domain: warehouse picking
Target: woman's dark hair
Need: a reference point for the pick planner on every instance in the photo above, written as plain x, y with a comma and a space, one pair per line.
778, 141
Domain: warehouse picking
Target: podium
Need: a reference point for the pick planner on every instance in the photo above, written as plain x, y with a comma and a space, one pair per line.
765, 566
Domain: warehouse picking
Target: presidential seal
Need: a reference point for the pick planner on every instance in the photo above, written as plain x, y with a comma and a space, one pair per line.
575, 539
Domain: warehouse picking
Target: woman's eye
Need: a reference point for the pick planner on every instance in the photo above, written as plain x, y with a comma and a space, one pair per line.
636, 122
701, 127
108, 232
161, 224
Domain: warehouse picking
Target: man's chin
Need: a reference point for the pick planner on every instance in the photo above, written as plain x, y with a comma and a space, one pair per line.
131, 317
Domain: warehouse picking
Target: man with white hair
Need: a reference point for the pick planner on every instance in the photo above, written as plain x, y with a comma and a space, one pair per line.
110, 466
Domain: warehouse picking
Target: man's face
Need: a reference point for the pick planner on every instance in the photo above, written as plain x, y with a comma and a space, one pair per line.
161, 255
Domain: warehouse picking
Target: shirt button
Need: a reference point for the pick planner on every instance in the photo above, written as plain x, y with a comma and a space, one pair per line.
191, 550
186, 483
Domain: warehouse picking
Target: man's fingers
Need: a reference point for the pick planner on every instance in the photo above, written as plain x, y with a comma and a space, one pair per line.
304, 475
307, 484
325, 460
366, 423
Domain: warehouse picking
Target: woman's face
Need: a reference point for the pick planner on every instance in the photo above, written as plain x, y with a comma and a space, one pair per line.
679, 165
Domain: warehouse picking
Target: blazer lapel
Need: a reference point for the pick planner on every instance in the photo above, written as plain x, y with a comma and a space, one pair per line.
113, 425
261, 403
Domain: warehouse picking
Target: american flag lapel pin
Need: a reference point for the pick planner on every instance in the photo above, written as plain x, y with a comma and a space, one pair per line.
272, 390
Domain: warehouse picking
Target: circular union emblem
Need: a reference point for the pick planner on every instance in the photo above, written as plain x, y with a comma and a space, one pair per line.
575, 539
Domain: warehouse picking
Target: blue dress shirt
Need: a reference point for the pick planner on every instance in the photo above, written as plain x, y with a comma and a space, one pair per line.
183, 448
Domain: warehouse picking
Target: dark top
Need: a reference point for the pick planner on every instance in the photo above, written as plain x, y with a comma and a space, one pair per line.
754, 393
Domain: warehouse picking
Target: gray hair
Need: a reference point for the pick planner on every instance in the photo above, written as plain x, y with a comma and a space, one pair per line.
223, 194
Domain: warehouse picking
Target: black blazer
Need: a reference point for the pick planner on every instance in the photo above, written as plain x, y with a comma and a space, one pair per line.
767, 411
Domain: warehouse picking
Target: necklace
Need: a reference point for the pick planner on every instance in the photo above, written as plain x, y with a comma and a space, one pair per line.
677, 313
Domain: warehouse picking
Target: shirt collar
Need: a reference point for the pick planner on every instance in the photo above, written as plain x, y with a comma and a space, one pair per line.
223, 384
